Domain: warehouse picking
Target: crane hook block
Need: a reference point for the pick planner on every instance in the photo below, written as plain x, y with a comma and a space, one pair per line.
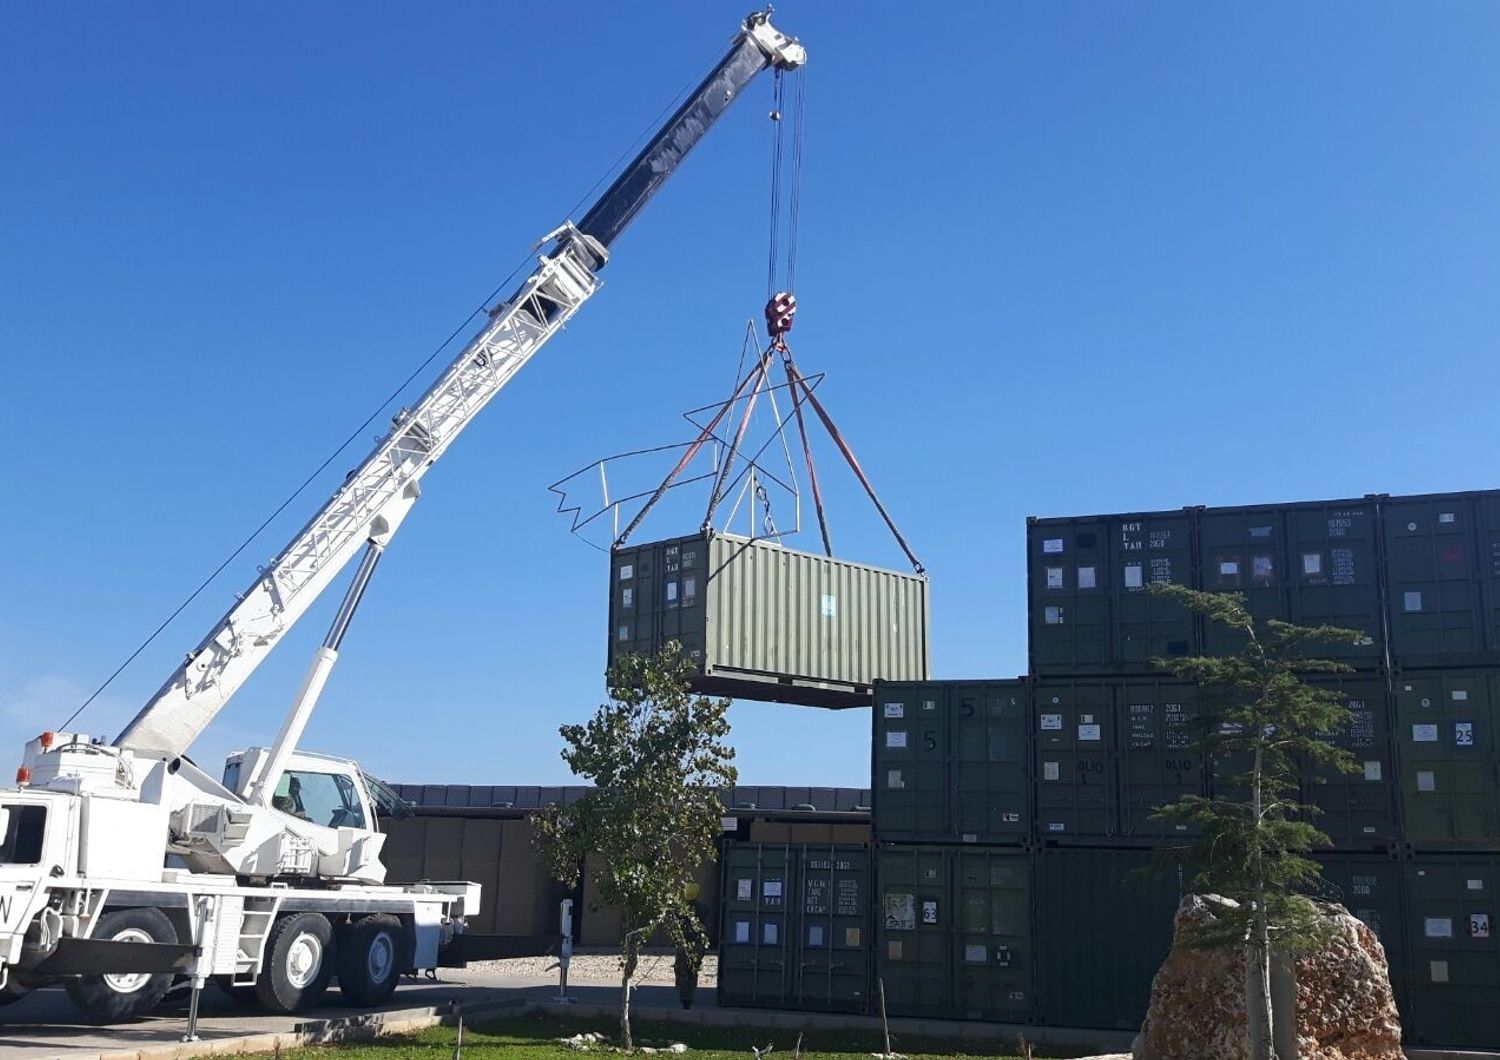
779, 313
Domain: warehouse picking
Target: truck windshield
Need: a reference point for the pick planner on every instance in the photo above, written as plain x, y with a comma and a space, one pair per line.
24, 828
322, 798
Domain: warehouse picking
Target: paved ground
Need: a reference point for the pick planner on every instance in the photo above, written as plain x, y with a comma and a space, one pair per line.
45, 1024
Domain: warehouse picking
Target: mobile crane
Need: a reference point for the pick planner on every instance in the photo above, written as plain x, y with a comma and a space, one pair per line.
125, 867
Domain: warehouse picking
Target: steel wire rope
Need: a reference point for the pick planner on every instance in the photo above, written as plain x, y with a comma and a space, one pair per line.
395, 394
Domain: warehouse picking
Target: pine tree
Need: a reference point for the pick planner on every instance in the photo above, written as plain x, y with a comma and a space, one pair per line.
1264, 731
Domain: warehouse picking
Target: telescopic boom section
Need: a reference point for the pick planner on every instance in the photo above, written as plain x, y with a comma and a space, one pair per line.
371, 503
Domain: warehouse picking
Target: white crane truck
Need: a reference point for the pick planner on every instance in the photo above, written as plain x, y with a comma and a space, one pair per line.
126, 868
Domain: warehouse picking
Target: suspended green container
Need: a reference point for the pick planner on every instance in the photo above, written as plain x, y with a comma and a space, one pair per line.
795, 927
951, 762
955, 932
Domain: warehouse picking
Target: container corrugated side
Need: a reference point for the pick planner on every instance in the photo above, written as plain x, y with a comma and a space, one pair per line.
768, 622
1104, 925
951, 762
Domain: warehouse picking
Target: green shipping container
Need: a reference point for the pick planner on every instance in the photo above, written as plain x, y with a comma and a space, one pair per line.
1103, 927
1436, 568
1358, 810
766, 622
1243, 550
1445, 742
1160, 742
1454, 950
955, 932
1076, 756
1090, 608
1335, 574
794, 931
951, 762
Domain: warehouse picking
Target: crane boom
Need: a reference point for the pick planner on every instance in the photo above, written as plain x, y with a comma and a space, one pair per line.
368, 508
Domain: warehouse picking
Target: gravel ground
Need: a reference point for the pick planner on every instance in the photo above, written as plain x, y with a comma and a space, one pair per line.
656, 968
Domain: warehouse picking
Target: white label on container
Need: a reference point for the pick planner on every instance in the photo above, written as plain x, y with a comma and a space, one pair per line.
672, 590
851, 938
1051, 722
1229, 567
1479, 925
1424, 733
1463, 734
770, 933
830, 606
815, 934
627, 571
975, 954
1056, 826
742, 932
744, 890
1474, 885
1426, 780
895, 710
1133, 576
1086, 579
896, 738
1054, 577
894, 780
893, 949
1372, 770
1260, 531
1053, 546
627, 597
1438, 970
1052, 616
1445, 517
1261, 566
771, 889
1438, 927
1050, 771
1088, 732
1460, 695
623, 632
1312, 563
729, 824
929, 911
1412, 601
929, 705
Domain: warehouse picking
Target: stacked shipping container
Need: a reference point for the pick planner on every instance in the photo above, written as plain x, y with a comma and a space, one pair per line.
1417, 828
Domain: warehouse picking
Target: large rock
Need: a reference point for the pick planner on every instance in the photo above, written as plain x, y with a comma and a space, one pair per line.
1345, 1010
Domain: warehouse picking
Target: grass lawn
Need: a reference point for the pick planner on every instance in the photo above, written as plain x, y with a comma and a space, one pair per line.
534, 1037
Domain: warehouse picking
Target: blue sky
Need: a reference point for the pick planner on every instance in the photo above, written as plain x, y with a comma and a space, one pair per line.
1055, 259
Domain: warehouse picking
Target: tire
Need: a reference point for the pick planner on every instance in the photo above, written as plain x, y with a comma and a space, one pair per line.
370, 959
128, 996
298, 965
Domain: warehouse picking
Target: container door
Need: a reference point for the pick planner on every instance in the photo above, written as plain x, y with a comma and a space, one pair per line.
680, 592
991, 795
1446, 743
1151, 550
1075, 759
632, 607
753, 943
1104, 922
1336, 575
1455, 952
1069, 596
1160, 741
1359, 808
1243, 550
916, 931
911, 788
1487, 561
833, 965
1433, 581
993, 951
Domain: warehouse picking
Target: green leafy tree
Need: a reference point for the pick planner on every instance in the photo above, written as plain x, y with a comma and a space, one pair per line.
657, 757
1264, 729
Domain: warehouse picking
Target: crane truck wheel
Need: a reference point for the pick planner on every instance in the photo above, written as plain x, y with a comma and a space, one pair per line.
369, 959
298, 965
127, 995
